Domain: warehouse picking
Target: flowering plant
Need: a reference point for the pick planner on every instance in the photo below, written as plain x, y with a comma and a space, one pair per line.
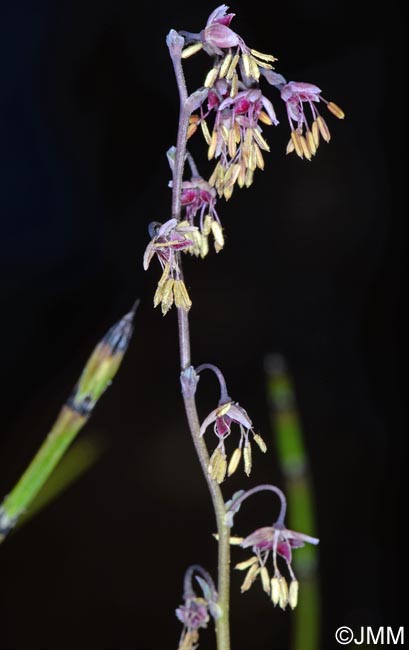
231, 109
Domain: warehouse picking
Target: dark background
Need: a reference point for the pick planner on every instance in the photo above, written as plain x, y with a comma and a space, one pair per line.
310, 269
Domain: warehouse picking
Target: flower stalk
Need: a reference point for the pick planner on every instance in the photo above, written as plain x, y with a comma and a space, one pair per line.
189, 378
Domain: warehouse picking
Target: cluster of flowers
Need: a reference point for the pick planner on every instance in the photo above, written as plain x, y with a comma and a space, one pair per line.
167, 240
223, 417
276, 541
239, 108
235, 106
196, 610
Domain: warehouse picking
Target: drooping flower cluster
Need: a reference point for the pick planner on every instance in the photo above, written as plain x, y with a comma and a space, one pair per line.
239, 107
196, 610
305, 139
223, 417
236, 140
199, 201
275, 541
167, 240
227, 414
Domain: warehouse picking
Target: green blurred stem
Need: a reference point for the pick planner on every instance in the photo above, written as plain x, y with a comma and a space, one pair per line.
294, 464
53, 448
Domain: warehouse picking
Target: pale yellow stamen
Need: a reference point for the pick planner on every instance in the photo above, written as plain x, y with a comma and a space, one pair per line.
218, 235
214, 461
157, 298
225, 65
211, 77
324, 130
250, 577
265, 579
263, 117
207, 225
260, 442
252, 160
305, 147
234, 462
204, 246
293, 594
263, 57
311, 143
246, 64
232, 144
283, 602
233, 541
232, 67
260, 140
212, 147
167, 296
247, 458
221, 472
242, 566
336, 110
183, 297
242, 175
295, 137
237, 132
228, 191
316, 133
259, 156
191, 130
249, 178
192, 49
255, 72
275, 590
234, 85
206, 132
223, 409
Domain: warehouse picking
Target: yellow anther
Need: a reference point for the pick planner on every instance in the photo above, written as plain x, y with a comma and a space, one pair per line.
242, 566
192, 49
293, 594
324, 130
336, 110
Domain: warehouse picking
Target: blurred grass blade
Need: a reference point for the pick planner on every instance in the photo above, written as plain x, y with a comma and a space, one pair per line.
78, 459
96, 377
294, 465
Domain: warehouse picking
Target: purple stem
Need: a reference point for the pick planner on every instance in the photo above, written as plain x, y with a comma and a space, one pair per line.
259, 488
194, 170
188, 591
223, 586
224, 396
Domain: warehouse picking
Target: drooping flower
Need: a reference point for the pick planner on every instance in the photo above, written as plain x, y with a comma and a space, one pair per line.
199, 200
305, 139
193, 613
218, 39
167, 241
196, 611
224, 417
276, 540
236, 139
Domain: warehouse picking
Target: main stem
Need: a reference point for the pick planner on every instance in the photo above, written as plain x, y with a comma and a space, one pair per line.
223, 586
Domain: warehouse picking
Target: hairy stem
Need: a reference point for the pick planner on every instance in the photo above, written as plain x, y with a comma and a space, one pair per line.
223, 583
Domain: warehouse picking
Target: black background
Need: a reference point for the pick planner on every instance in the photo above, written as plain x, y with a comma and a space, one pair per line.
310, 269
